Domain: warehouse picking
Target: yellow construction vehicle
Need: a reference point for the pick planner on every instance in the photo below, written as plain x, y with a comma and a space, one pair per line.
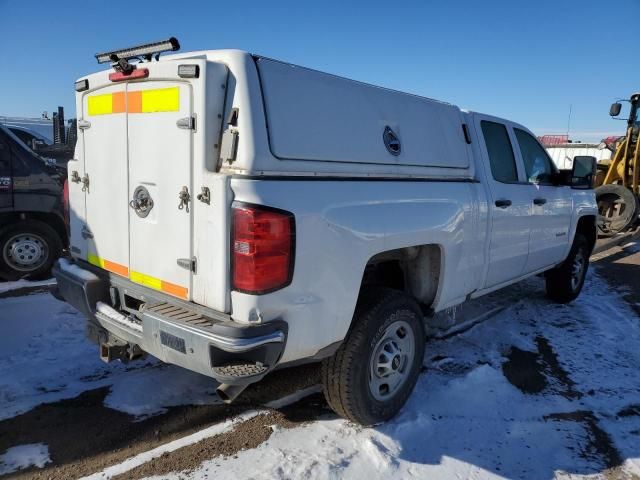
618, 190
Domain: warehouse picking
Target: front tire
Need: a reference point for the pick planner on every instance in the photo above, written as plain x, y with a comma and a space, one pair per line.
564, 283
28, 249
374, 371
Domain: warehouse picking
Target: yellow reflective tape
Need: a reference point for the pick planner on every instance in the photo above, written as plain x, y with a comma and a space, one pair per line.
108, 265
146, 280
95, 260
161, 100
100, 104
161, 285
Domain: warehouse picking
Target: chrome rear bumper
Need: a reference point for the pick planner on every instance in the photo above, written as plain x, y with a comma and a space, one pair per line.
231, 353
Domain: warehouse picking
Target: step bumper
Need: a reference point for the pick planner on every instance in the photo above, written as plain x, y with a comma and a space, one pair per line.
229, 352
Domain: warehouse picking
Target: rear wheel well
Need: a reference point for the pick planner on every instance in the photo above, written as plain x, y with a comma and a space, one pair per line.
414, 270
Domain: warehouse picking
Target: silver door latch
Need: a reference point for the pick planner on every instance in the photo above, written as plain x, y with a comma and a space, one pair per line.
75, 177
184, 199
85, 182
187, 123
205, 195
187, 263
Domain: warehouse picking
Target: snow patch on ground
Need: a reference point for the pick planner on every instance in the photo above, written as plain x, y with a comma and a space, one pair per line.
24, 456
8, 286
466, 420
45, 357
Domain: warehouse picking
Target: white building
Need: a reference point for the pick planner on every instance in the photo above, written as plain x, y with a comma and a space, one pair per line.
563, 154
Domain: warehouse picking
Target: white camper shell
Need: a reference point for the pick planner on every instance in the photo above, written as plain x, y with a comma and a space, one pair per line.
231, 213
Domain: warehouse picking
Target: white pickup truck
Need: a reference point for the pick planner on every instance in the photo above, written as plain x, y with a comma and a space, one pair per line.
233, 214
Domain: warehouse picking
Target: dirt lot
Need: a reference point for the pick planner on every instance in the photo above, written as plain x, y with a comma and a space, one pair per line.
88, 432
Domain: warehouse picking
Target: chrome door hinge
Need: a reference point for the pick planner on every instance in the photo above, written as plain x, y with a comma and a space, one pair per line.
188, 123
188, 263
84, 124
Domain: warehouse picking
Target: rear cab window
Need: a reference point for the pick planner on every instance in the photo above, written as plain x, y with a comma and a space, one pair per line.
501, 157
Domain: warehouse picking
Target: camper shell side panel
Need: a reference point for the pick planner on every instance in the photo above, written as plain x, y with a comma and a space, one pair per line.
431, 133
313, 115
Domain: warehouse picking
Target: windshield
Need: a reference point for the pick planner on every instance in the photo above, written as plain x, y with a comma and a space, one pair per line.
20, 144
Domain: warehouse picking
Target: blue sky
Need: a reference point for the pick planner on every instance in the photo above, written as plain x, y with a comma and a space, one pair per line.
526, 61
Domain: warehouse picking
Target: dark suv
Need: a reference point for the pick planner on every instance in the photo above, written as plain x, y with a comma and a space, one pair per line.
32, 211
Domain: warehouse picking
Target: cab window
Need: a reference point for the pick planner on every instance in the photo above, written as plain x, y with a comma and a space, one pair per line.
501, 158
5, 160
537, 165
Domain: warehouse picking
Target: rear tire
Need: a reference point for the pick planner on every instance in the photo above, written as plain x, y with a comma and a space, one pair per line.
374, 371
28, 249
564, 283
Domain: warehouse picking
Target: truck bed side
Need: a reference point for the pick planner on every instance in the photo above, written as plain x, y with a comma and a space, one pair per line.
341, 226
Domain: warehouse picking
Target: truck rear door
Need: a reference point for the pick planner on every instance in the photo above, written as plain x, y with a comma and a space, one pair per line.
138, 151
105, 178
160, 188
509, 205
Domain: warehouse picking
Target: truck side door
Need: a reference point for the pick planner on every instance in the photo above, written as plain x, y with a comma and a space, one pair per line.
509, 205
6, 181
551, 204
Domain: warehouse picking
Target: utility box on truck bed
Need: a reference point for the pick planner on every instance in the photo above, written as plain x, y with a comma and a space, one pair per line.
234, 214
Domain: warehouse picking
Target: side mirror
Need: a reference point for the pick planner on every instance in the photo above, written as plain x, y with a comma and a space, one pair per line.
583, 171
614, 111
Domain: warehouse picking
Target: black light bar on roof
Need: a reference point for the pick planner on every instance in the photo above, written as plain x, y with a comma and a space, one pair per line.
146, 51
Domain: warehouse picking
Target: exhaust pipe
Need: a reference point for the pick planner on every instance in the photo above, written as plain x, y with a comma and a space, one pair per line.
228, 393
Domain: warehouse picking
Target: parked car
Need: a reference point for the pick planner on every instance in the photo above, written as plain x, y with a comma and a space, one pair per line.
28, 136
32, 218
233, 214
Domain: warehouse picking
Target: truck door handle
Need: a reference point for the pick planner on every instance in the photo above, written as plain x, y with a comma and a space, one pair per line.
539, 201
503, 203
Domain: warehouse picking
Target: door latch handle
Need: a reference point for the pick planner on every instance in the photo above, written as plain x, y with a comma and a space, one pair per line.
184, 197
85, 182
75, 177
539, 201
503, 203
205, 195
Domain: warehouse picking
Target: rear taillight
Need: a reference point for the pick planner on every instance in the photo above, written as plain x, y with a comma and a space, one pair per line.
262, 244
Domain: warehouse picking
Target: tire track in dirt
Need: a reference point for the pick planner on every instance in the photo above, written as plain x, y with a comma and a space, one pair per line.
84, 436
244, 436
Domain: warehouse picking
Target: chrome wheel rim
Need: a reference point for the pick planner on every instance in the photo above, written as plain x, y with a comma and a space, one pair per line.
391, 360
577, 269
25, 252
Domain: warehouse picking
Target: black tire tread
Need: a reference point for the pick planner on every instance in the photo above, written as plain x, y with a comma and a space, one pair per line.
558, 280
338, 369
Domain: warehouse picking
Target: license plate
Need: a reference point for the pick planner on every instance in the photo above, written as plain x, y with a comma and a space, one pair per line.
173, 342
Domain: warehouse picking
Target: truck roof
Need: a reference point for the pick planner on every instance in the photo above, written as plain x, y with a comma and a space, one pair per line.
297, 120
